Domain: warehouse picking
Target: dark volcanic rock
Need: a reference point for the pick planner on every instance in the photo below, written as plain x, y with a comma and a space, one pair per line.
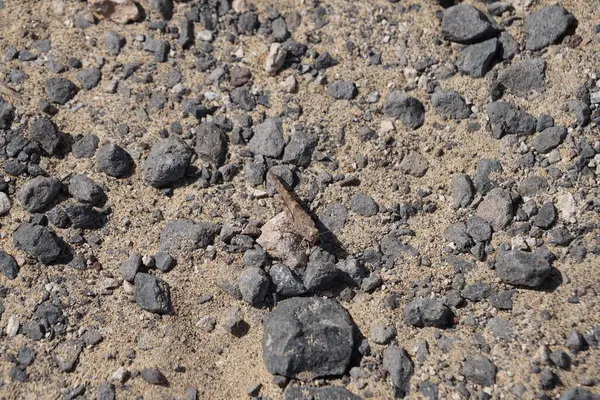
464, 23
547, 26
167, 162
211, 143
524, 76
427, 312
152, 293
114, 161
409, 110
60, 90
521, 268
314, 393
307, 338
186, 235
39, 193
38, 242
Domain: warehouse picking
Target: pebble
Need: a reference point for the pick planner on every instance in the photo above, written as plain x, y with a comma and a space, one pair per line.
167, 162
409, 110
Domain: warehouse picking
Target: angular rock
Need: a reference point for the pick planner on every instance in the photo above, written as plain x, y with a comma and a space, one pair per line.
254, 286
478, 229
462, 191
400, 367
342, 90
46, 134
524, 77
152, 293
119, 11
324, 393
508, 47
508, 119
334, 216
83, 216
60, 90
130, 267
286, 282
39, 193
86, 146
114, 161
154, 377
211, 143
86, 190
300, 148
276, 58
532, 185
8, 266
66, 355
268, 138
464, 23
520, 268
427, 312
89, 78
167, 162
477, 59
549, 139
184, 235
547, 26
307, 338
479, 370
364, 205
414, 164
409, 110
496, 208
7, 114
164, 7
114, 43
450, 103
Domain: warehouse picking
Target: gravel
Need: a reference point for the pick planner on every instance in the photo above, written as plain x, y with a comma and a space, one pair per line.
343, 90
44, 132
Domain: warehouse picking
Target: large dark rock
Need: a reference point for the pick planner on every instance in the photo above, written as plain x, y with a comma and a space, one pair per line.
307, 338
464, 23
167, 162
38, 242
152, 293
520, 268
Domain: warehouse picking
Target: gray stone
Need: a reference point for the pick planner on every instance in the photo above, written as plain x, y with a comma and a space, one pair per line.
532, 185
496, 208
254, 285
163, 7
164, 262
167, 162
7, 114
520, 268
89, 78
315, 393
152, 293
255, 172
86, 146
479, 229
464, 23
211, 143
364, 205
409, 110
300, 149
545, 217
106, 391
427, 312
66, 355
524, 77
114, 161
154, 377
286, 282
8, 265
479, 370
501, 328
46, 134
400, 367
39, 193
308, 338
130, 267
457, 233
84, 216
502, 300
342, 90
578, 393
462, 191
114, 43
184, 235
160, 49
268, 138
508, 47
450, 103
477, 59
414, 164
382, 334
243, 98
279, 28
575, 342
549, 139
508, 119
561, 359
334, 216
544, 121
255, 258
547, 26
60, 90
581, 111
321, 272
86, 190
476, 292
